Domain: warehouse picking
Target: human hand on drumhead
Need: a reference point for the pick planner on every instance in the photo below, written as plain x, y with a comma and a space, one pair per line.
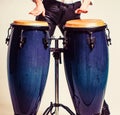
39, 9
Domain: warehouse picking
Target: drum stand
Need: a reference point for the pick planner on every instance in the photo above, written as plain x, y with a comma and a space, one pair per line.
57, 57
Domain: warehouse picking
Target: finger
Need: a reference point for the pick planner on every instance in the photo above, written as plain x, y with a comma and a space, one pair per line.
35, 13
32, 12
43, 13
84, 11
79, 11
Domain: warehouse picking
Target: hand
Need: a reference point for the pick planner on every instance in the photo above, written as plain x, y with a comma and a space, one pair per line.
79, 11
39, 9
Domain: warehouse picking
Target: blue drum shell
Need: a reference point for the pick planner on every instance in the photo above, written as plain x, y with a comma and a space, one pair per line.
27, 68
86, 69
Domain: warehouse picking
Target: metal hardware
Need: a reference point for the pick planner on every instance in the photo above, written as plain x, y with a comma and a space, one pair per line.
91, 40
108, 37
8, 35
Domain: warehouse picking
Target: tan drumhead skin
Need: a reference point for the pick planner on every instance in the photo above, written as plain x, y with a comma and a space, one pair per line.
30, 23
84, 23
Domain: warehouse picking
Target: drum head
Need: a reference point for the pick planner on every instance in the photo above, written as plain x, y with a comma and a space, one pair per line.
30, 23
85, 23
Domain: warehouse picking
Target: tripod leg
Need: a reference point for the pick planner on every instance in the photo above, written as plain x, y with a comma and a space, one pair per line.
105, 109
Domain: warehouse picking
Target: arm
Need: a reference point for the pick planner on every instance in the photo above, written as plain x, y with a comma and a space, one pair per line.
84, 7
39, 8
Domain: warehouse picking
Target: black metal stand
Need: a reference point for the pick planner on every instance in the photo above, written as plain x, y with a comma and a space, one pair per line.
57, 57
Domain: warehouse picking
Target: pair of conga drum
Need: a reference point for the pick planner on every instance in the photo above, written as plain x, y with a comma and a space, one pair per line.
85, 62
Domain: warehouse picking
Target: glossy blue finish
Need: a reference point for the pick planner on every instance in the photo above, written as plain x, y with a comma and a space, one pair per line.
27, 69
86, 70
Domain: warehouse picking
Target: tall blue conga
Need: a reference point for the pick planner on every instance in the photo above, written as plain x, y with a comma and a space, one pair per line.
86, 64
28, 64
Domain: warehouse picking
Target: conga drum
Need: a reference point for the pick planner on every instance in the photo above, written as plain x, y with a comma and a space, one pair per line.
86, 64
27, 64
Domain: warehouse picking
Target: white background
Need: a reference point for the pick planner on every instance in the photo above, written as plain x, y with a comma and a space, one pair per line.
107, 10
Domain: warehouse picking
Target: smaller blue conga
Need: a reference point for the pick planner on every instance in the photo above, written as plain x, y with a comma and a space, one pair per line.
28, 64
86, 64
